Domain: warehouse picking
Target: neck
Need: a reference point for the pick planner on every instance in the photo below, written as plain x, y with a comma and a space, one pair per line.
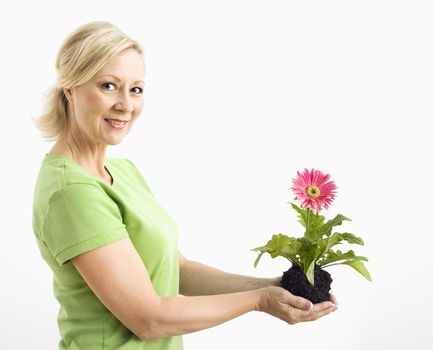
89, 156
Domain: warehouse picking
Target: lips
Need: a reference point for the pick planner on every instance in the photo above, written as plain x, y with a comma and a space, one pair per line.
116, 123
116, 120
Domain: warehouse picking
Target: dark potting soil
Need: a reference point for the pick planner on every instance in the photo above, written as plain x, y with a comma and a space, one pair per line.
295, 281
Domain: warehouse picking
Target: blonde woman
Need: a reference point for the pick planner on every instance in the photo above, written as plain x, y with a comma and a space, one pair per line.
118, 274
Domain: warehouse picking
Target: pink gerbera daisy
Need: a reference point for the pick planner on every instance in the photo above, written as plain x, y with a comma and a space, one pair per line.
313, 189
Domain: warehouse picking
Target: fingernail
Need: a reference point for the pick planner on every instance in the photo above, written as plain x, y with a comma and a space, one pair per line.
310, 305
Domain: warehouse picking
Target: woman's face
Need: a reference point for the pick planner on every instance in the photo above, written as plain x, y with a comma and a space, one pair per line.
105, 108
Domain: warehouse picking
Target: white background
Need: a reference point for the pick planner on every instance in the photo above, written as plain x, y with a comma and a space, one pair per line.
239, 96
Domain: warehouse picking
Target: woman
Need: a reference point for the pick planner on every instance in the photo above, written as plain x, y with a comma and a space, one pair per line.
111, 246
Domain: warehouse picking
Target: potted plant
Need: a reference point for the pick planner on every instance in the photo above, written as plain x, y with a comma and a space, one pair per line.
313, 252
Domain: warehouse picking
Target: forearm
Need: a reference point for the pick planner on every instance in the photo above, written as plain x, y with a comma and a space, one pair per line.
182, 315
199, 279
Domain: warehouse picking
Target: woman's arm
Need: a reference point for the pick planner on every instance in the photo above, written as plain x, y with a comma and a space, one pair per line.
117, 276
199, 279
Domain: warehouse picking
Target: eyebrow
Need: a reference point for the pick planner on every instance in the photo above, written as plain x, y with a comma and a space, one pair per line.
118, 79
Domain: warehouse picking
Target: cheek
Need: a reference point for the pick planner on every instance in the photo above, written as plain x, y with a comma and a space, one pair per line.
96, 104
138, 109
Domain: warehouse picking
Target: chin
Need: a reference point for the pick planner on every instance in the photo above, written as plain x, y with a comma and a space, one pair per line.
114, 142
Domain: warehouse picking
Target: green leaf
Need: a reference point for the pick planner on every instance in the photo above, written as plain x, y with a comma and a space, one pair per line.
305, 250
326, 244
351, 238
334, 239
277, 243
327, 227
360, 267
310, 272
302, 215
315, 226
258, 258
280, 245
348, 258
309, 253
291, 250
337, 238
311, 221
332, 257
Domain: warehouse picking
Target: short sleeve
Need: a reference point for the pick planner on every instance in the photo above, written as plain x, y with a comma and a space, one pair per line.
81, 217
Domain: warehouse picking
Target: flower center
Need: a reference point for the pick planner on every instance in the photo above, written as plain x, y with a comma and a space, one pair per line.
313, 191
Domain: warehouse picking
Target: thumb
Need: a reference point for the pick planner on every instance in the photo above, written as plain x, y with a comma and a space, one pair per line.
299, 302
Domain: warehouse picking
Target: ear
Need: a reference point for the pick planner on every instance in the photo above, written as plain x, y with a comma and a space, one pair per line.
68, 94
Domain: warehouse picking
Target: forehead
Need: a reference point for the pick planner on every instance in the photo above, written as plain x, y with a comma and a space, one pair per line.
128, 66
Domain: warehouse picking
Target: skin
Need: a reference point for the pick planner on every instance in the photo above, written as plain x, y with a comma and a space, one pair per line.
115, 272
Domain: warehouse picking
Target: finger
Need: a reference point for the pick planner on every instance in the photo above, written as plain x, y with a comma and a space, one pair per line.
318, 310
299, 302
333, 299
322, 306
320, 313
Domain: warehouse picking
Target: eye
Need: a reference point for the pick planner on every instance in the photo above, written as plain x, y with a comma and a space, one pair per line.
106, 86
137, 90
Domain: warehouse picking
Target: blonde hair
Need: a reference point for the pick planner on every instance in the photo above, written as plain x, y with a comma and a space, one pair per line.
84, 52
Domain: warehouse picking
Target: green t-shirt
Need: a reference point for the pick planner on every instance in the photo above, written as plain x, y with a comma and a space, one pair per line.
74, 212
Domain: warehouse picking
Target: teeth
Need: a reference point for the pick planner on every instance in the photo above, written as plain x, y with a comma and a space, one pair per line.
115, 121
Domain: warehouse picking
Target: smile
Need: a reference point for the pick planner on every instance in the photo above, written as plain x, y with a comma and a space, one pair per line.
116, 123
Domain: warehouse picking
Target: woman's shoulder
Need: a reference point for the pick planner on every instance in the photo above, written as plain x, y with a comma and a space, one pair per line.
59, 171
59, 174
59, 178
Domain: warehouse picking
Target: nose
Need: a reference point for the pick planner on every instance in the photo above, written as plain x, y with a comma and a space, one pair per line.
124, 104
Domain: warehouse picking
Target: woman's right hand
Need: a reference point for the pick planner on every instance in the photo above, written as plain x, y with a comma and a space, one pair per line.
280, 303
